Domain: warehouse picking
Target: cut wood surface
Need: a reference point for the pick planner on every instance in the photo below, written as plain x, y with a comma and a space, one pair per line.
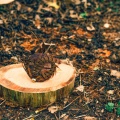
17, 86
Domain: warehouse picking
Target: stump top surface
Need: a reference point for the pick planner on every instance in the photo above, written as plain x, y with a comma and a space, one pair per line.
14, 77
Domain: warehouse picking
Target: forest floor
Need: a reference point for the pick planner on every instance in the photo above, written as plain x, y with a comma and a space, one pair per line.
86, 33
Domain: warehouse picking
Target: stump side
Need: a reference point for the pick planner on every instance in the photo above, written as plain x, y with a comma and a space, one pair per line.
35, 99
35, 94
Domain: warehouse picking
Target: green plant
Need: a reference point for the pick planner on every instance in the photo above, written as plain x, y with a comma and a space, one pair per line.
98, 8
109, 106
119, 103
118, 111
118, 108
83, 15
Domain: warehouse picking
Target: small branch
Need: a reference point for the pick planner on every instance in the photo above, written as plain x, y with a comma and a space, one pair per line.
2, 102
56, 117
31, 116
71, 102
80, 116
48, 47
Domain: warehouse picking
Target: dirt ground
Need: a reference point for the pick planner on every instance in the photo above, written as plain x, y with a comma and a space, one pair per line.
84, 32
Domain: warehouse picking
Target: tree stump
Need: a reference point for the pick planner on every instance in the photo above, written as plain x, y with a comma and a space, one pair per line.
16, 85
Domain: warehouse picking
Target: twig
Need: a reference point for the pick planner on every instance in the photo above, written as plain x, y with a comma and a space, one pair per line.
48, 47
80, 116
2, 102
56, 117
71, 102
31, 116
49, 43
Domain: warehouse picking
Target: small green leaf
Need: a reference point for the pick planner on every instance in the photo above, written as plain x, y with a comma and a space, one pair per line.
111, 104
109, 107
118, 111
111, 4
119, 103
83, 15
98, 9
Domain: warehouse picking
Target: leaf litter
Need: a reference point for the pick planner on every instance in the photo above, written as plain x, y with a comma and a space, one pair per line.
79, 33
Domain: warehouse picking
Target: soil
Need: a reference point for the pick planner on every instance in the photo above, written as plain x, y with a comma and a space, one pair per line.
84, 33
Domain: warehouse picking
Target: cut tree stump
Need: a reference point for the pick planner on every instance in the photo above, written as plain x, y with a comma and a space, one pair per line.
16, 86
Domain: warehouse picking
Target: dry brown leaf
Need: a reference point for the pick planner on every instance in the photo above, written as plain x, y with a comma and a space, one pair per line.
95, 64
18, 5
110, 92
37, 22
73, 49
111, 35
81, 32
89, 118
49, 19
106, 25
115, 73
53, 109
80, 88
104, 53
108, 60
52, 4
73, 14
91, 27
28, 46
5, 1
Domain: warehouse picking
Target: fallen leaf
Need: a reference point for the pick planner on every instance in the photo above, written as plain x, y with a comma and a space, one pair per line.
107, 60
91, 28
1, 22
110, 92
73, 49
18, 6
106, 25
81, 32
52, 4
115, 73
111, 36
37, 22
73, 14
49, 20
5, 1
27, 45
89, 118
96, 68
95, 64
53, 109
103, 53
80, 88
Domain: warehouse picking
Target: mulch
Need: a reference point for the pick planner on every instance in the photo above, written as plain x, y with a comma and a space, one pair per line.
88, 34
